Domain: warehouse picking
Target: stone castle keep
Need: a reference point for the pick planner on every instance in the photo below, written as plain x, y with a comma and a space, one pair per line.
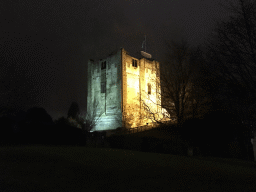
120, 84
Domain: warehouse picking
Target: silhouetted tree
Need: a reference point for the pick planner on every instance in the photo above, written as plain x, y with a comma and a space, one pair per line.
214, 133
38, 114
10, 124
66, 133
182, 96
38, 125
7, 111
199, 98
232, 56
62, 121
6, 131
89, 120
73, 110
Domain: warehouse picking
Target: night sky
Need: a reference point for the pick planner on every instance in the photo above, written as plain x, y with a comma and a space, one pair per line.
45, 45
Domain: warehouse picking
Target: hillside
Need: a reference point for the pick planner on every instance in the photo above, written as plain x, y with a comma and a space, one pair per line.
40, 168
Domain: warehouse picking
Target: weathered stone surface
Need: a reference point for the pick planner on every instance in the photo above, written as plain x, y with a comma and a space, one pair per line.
127, 86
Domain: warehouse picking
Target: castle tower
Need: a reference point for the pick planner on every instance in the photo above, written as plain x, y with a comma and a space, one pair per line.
120, 84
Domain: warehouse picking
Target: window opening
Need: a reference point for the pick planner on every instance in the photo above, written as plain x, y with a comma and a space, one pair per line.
103, 65
134, 63
103, 87
149, 88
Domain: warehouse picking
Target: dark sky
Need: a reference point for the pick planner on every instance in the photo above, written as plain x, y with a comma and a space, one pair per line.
45, 45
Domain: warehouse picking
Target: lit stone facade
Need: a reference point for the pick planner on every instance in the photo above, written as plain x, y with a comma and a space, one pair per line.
121, 84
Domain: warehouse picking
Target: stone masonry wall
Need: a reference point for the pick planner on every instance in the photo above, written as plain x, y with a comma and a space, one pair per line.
126, 88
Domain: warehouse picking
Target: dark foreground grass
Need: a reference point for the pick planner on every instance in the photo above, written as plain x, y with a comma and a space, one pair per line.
63, 168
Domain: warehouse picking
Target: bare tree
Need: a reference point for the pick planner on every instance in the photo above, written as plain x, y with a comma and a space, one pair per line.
89, 120
175, 80
182, 92
232, 56
73, 110
199, 97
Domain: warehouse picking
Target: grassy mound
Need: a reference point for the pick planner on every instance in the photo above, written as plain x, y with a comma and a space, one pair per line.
65, 168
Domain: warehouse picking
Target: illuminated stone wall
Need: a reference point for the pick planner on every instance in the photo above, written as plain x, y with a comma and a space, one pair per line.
135, 90
109, 103
126, 88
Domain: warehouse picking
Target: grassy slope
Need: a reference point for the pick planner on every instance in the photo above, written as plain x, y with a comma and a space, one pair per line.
41, 168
